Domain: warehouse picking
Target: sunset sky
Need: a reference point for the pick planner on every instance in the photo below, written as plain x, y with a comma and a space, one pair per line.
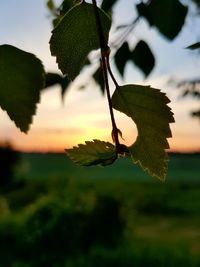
84, 114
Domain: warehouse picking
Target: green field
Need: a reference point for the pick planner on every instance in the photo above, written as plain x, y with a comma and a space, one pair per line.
182, 167
58, 214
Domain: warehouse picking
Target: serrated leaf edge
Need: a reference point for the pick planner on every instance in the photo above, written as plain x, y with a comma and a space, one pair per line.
88, 143
164, 173
26, 128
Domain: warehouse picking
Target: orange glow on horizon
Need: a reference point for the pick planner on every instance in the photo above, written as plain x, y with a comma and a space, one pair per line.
55, 131
59, 142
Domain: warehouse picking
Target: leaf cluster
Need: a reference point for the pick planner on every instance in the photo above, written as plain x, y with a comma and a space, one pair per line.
77, 32
167, 17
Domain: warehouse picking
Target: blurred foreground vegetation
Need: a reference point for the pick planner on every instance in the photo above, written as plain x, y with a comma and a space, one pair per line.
54, 214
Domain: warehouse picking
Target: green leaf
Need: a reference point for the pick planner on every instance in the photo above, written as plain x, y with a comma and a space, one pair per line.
94, 152
63, 9
143, 57
121, 57
66, 6
75, 37
167, 15
148, 109
21, 79
194, 46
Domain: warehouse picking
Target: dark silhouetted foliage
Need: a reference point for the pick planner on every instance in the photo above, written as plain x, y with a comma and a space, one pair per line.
8, 160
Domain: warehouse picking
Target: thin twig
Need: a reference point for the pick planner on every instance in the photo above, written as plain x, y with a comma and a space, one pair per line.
114, 126
128, 30
110, 72
103, 44
105, 51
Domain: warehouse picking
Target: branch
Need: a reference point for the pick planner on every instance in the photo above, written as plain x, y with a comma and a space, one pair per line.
105, 51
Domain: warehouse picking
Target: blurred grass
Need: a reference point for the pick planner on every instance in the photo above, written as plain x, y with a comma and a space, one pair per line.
155, 223
182, 167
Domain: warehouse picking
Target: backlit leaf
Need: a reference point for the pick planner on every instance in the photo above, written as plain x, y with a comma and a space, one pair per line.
66, 6
94, 152
143, 57
21, 79
63, 9
75, 36
121, 57
167, 15
148, 109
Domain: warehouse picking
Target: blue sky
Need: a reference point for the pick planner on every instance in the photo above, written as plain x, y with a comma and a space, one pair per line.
27, 25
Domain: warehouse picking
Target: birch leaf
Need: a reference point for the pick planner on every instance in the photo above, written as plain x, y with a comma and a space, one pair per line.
21, 80
148, 109
94, 152
76, 36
